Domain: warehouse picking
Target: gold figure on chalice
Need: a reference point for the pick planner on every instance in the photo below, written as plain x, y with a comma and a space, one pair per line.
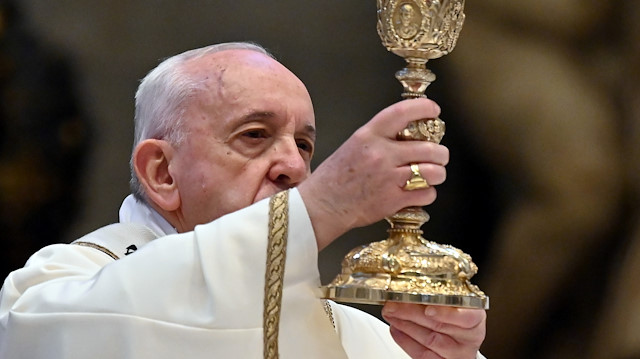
406, 267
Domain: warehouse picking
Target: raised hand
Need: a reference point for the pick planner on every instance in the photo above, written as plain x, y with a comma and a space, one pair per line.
362, 182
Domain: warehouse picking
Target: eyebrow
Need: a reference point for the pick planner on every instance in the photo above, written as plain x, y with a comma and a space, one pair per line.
311, 132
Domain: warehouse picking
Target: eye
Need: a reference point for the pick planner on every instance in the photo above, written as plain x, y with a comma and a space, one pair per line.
258, 133
305, 146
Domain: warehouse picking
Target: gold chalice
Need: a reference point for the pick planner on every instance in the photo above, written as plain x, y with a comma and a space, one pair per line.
406, 267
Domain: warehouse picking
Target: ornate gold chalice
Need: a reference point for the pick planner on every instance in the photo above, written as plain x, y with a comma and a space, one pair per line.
406, 267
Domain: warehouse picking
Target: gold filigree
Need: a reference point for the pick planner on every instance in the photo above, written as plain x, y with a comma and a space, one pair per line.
420, 29
274, 274
329, 312
431, 129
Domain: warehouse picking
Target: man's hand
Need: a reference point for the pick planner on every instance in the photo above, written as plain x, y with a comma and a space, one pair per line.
362, 182
436, 332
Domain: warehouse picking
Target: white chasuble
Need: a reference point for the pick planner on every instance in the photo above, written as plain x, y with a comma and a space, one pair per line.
191, 295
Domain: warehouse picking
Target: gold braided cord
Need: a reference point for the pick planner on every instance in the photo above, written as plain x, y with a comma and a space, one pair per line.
329, 312
274, 274
98, 247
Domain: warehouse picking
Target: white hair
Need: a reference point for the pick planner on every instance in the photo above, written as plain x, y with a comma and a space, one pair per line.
162, 97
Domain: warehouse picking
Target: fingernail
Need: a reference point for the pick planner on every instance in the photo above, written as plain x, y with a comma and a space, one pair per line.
390, 307
430, 311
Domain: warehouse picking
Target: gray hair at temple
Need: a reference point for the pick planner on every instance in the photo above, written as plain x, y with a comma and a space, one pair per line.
162, 98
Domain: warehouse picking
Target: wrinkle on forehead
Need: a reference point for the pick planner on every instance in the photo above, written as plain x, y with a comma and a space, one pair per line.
238, 61
222, 60
226, 77
219, 81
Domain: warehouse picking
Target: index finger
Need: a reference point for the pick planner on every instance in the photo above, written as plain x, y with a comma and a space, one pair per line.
396, 117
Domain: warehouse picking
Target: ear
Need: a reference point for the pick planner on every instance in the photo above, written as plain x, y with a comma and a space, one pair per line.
151, 160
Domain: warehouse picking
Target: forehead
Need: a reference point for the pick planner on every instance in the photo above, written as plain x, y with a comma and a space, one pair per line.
245, 81
231, 69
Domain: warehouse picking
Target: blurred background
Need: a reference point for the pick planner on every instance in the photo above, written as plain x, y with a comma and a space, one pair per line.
541, 100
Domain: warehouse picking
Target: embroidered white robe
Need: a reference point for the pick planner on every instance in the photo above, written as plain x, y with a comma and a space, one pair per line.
191, 295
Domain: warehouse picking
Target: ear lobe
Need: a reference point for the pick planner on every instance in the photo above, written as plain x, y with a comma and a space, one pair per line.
151, 162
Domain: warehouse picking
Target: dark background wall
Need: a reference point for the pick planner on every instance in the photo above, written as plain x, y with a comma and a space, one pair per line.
332, 46
502, 92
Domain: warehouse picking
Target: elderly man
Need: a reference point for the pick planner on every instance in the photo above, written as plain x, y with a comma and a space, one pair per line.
220, 170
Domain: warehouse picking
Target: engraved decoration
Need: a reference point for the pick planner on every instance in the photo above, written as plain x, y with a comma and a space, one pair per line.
406, 267
274, 273
425, 29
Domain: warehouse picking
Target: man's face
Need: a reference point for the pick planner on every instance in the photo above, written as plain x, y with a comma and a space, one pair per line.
250, 135
406, 14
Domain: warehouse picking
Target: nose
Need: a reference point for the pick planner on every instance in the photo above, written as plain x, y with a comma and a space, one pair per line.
288, 167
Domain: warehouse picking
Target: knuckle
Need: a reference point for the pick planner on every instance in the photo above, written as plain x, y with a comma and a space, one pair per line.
433, 340
438, 326
362, 134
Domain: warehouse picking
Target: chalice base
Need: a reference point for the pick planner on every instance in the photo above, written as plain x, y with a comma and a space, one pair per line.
379, 288
405, 267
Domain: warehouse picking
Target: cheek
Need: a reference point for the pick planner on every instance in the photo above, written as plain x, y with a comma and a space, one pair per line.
194, 182
203, 184
206, 187
201, 201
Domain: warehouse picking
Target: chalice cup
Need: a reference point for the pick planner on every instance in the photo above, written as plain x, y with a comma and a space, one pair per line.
406, 267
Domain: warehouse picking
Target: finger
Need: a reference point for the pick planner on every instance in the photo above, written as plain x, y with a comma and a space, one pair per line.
415, 198
411, 346
454, 316
424, 341
395, 118
463, 325
421, 152
433, 174
460, 317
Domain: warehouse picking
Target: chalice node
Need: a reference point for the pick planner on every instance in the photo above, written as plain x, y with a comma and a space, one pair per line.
406, 267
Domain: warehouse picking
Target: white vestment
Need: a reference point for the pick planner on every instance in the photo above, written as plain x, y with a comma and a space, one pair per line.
191, 295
